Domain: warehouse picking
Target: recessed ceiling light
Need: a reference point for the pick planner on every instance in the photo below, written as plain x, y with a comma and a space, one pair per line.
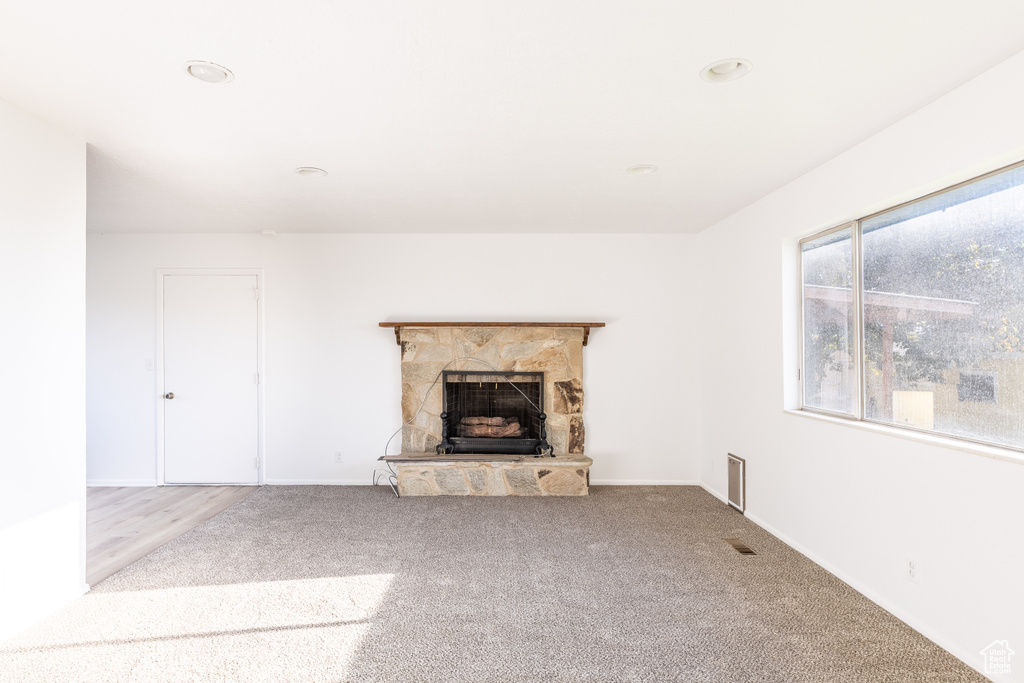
311, 171
208, 72
642, 169
726, 70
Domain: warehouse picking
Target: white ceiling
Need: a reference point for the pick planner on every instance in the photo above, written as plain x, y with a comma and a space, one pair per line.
474, 117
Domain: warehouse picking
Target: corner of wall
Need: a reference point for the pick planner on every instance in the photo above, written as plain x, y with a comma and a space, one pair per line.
42, 492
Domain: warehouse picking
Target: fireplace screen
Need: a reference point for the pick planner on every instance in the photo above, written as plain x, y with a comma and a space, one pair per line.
493, 412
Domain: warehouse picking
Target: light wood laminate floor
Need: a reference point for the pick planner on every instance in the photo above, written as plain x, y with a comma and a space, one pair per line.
124, 524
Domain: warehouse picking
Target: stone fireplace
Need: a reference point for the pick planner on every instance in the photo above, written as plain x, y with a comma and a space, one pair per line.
547, 354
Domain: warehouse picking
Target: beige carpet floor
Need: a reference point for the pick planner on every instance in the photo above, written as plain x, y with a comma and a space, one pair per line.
352, 584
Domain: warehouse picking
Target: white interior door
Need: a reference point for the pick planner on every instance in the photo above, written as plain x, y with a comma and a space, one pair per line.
211, 404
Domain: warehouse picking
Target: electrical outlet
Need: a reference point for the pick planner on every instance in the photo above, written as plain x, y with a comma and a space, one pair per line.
338, 458
914, 570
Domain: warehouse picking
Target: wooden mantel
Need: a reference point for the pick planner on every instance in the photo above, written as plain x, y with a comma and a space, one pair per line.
398, 327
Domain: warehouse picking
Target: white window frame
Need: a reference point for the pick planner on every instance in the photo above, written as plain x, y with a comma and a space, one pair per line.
856, 335
859, 416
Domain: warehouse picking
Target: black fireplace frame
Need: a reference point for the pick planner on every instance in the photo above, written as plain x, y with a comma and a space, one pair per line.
535, 444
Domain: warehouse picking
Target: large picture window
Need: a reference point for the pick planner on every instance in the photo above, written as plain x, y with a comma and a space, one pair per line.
915, 316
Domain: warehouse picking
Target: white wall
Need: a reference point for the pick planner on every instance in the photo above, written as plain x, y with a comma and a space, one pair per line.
42, 377
862, 502
332, 375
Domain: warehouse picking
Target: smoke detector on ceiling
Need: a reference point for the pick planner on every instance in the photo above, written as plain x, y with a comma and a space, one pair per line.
208, 72
641, 169
311, 172
725, 70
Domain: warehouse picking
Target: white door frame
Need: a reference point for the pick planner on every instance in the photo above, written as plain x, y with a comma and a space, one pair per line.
159, 365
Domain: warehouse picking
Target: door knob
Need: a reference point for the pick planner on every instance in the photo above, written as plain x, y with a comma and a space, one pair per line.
169, 394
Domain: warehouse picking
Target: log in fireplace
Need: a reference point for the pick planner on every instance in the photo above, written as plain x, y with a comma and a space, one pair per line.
493, 413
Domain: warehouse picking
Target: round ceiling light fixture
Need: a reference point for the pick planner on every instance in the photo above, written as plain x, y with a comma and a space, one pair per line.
641, 169
725, 70
311, 172
208, 72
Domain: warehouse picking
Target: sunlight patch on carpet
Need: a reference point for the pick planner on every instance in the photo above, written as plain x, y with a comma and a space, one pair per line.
251, 631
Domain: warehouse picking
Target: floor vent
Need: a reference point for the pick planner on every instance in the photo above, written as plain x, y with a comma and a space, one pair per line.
739, 546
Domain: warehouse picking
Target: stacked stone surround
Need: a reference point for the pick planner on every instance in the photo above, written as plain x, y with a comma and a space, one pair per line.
555, 351
559, 476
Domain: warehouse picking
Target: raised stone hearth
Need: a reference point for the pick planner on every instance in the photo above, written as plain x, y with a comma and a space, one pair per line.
559, 476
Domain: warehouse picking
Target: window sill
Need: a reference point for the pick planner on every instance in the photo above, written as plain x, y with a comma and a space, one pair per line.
921, 437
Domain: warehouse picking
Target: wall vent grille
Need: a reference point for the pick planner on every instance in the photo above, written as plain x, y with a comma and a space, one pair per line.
737, 482
739, 546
